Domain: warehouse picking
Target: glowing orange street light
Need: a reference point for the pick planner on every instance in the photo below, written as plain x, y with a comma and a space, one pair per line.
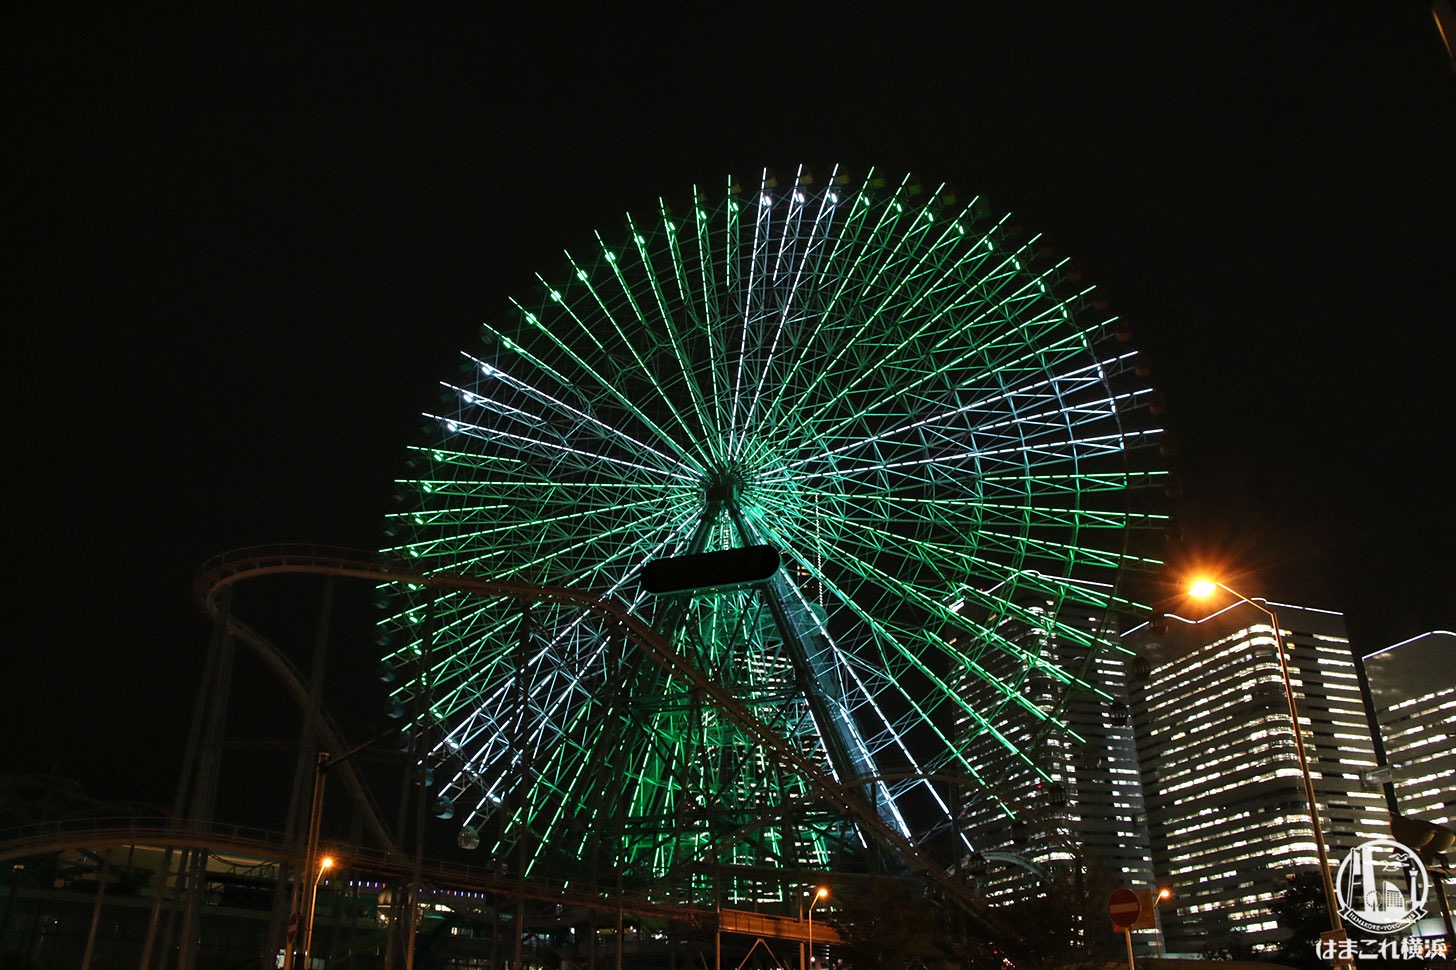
820, 892
325, 864
1203, 588
1163, 893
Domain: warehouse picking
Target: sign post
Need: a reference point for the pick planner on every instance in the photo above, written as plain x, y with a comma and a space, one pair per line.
1124, 907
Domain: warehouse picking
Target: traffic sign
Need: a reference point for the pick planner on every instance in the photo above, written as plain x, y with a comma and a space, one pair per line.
1124, 908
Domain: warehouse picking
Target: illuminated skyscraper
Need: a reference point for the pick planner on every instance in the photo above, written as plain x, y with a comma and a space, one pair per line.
1227, 810
1086, 807
1413, 702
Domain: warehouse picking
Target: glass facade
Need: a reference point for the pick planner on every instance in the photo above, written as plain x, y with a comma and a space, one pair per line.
1076, 808
1227, 812
1413, 701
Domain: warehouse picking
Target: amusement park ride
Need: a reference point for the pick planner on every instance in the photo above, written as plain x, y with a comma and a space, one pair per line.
926, 419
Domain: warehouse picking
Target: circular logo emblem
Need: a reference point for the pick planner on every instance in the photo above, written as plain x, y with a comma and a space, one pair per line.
1382, 886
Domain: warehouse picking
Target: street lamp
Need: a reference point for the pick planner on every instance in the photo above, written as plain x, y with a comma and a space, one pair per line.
1204, 588
304, 897
325, 762
325, 864
820, 892
1163, 893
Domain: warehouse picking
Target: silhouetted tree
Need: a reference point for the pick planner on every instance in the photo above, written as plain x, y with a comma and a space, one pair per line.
1226, 941
1065, 927
1301, 912
884, 924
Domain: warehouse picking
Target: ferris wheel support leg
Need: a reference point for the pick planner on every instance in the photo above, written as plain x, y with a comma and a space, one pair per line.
849, 761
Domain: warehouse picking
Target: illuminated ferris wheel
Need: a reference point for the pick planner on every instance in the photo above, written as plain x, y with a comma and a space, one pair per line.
923, 415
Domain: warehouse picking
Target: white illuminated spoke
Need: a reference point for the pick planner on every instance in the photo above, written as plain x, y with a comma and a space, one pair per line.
892, 390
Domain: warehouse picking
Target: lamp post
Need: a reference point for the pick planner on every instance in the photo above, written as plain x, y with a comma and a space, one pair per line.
325, 762
1204, 588
820, 892
1163, 893
304, 897
325, 864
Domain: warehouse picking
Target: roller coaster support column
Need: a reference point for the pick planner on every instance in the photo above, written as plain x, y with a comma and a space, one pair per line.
96, 911
197, 779
306, 769
204, 799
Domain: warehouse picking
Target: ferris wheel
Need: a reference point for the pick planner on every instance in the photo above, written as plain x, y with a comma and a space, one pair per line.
929, 421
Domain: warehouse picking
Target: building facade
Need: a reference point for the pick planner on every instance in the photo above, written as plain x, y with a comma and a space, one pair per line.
1080, 818
1412, 695
1227, 811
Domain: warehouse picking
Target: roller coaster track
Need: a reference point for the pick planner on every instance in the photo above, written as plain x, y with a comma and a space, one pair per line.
233, 567
75, 834
329, 734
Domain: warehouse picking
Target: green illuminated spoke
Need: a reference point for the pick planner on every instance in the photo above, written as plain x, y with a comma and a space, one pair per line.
907, 403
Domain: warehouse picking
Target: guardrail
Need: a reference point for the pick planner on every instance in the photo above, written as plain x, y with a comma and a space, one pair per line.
45, 837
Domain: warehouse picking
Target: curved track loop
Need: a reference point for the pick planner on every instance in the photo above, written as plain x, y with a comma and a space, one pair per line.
329, 734
238, 565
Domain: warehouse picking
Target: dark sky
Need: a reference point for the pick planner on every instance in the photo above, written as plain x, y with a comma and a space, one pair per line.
242, 249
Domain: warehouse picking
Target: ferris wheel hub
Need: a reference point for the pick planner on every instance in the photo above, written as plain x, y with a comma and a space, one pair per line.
891, 399
724, 489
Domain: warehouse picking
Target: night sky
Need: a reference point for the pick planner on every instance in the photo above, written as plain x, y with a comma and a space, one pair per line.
243, 249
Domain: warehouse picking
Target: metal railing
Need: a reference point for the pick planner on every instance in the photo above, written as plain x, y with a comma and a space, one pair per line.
439, 877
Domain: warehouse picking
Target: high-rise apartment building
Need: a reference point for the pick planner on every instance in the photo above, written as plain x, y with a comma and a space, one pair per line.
1412, 691
1227, 812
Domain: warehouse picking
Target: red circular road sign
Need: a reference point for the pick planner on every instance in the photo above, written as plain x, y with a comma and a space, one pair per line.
1124, 908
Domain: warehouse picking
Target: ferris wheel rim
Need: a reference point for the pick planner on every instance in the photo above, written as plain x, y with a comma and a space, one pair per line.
1007, 460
